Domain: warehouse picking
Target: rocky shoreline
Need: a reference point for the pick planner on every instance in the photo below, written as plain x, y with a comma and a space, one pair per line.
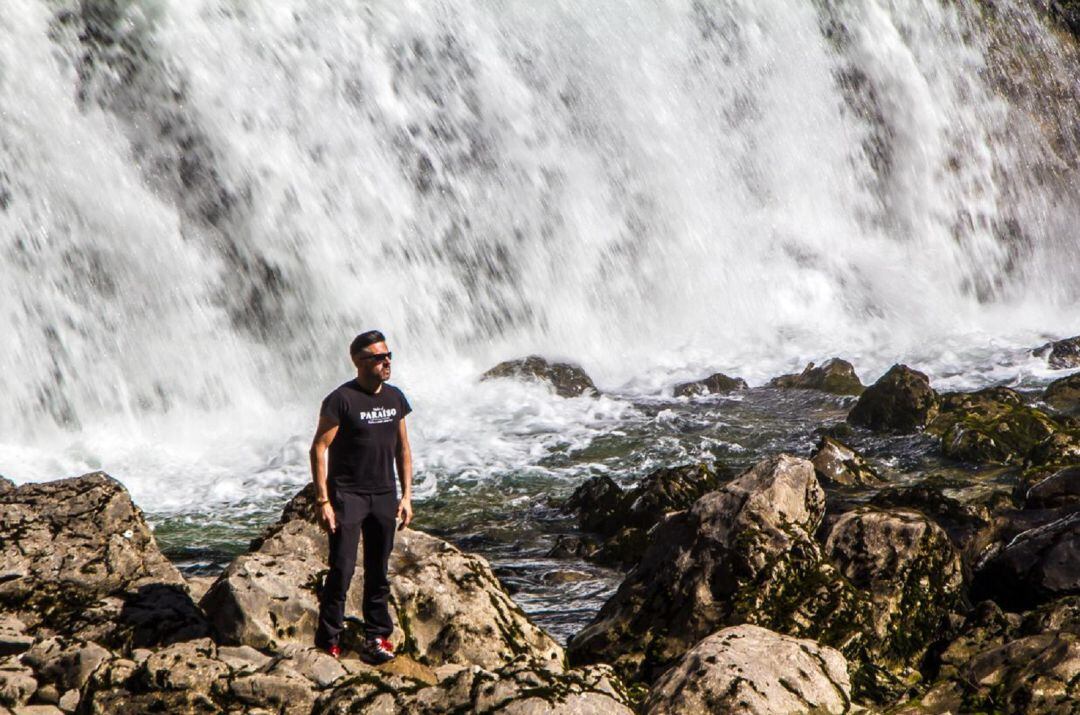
806, 583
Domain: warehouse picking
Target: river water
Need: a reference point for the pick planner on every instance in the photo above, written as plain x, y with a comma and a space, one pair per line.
201, 202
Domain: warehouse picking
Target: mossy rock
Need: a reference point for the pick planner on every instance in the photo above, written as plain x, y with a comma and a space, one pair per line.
1064, 394
994, 426
835, 376
569, 380
717, 383
1062, 354
901, 401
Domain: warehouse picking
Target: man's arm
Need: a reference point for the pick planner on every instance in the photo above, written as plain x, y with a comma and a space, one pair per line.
324, 435
403, 457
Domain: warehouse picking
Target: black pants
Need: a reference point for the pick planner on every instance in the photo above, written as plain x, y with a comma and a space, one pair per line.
374, 516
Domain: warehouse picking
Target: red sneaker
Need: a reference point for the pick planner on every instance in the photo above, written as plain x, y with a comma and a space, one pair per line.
334, 651
376, 651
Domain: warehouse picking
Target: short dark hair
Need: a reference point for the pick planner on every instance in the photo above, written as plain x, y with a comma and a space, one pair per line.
362, 340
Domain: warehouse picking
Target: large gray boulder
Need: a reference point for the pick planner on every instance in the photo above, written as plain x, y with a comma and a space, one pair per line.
900, 401
911, 571
77, 558
569, 380
518, 688
743, 553
752, 670
834, 375
447, 605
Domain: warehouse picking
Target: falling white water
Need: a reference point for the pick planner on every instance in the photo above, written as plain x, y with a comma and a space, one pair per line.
202, 201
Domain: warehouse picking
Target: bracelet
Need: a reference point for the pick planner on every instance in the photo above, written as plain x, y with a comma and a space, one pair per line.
323, 501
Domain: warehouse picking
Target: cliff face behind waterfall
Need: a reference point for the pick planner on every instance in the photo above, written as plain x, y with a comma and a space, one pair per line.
198, 198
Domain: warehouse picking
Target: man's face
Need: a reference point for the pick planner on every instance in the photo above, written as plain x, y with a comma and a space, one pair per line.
373, 362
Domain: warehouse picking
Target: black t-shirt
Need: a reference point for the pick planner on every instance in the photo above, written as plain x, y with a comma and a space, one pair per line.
362, 453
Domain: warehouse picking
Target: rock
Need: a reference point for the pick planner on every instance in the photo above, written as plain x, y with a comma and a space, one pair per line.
6, 485
191, 666
836, 376
743, 553
77, 558
17, 682
900, 401
597, 502
714, 384
985, 627
1060, 615
65, 664
912, 572
280, 691
1064, 394
315, 664
1033, 674
568, 380
567, 547
1061, 354
1060, 489
199, 585
836, 463
748, 669
13, 637
406, 667
992, 426
1037, 566
69, 701
244, 659
518, 688
448, 606
625, 517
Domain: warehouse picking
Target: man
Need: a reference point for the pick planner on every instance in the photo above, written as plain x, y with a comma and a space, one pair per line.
362, 425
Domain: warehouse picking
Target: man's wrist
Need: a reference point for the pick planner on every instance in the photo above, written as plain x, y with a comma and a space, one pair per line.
322, 500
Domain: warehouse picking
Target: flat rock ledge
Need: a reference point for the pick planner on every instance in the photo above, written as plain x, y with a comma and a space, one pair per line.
94, 619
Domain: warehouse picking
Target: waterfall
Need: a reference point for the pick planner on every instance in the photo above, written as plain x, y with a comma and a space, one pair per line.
201, 202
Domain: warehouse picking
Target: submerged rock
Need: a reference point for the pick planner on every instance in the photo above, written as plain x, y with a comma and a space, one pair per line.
717, 383
900, 401
1037, 566
568, 380
1061, 354
79, 560
836, 376
447, 605
1064, 394
748, 669
836, 463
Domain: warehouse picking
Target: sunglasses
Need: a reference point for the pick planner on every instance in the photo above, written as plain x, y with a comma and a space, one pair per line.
378, 357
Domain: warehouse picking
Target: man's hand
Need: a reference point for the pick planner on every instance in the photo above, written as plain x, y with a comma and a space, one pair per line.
404, 512
325, 514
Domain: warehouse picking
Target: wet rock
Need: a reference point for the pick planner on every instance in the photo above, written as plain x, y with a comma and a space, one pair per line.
911, 571
747, 669
77, 558
993, 426
836, 376
836, 463
1064, 394
625, 517
519, 688
743, 553
900, 401
598, 503
1037, 566
568, 380
1060, 615
1060, 489
448, 607
718, 383
567, 546
1061, 354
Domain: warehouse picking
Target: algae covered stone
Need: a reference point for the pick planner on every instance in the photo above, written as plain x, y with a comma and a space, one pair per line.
900, 401
1064, 394
569, 380
835, 376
